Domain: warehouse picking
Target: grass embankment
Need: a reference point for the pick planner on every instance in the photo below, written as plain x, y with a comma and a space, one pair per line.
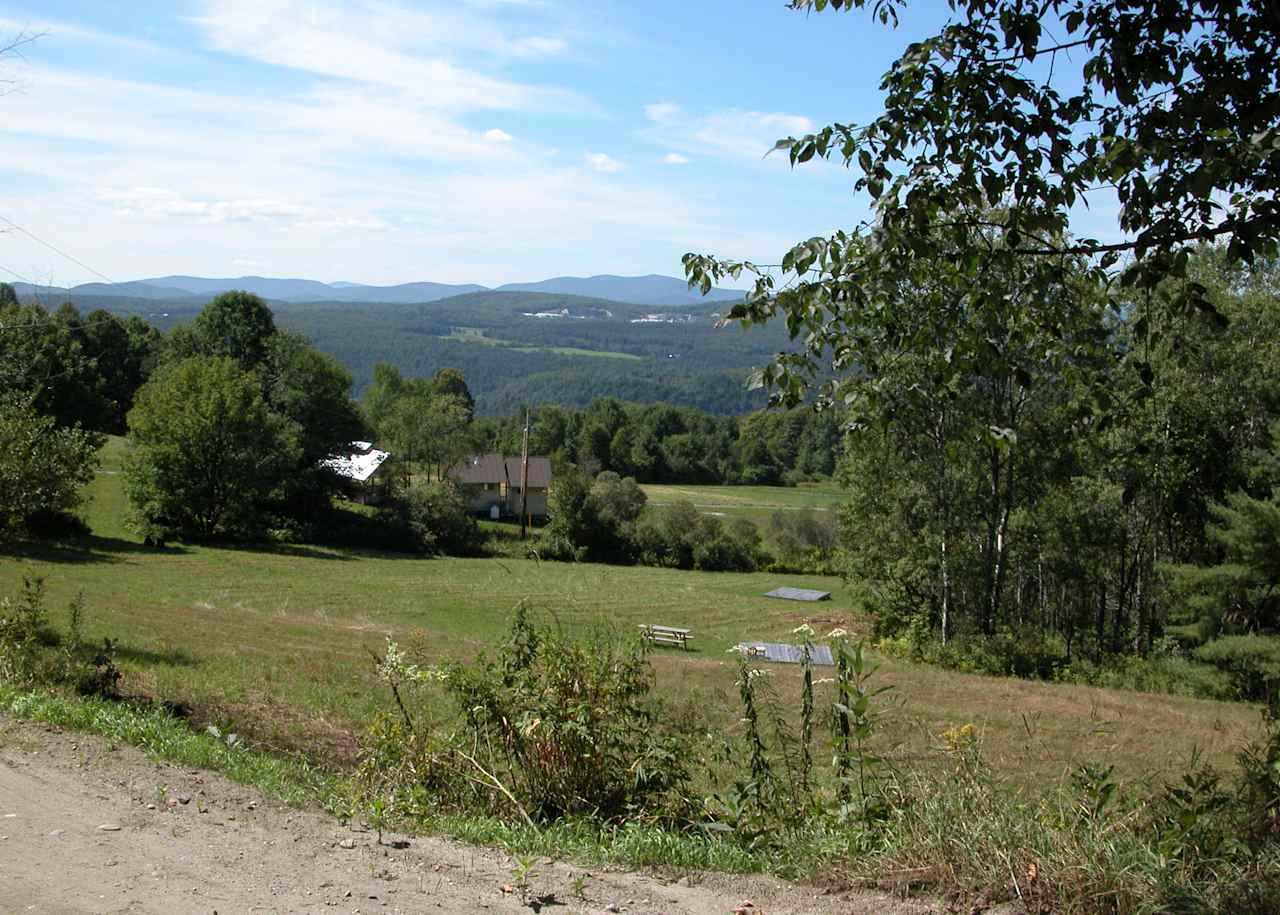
275, 642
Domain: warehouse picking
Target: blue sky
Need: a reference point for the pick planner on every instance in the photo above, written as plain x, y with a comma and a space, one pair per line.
385, 141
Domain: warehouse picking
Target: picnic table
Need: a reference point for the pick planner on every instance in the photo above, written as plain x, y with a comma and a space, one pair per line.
668, 635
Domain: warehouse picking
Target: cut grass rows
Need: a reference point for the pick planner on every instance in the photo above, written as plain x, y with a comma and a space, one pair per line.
276, 642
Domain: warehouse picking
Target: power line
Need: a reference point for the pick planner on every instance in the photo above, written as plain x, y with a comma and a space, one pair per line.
18, 275
58, 251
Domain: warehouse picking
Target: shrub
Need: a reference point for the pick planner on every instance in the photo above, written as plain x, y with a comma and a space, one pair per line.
439, 518
23, 630
726, 548
1206, 842
32, 653
799, 533
553, 728
349, 524
679, 536
571, 530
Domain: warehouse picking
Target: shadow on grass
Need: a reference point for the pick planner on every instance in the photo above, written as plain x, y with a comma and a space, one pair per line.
94, 549
171, 657
90, 549
297, 550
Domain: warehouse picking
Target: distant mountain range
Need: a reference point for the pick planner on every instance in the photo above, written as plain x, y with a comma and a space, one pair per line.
637, 290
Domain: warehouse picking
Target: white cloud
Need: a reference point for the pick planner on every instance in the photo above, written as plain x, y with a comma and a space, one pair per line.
382, 44
661, 112
162, 203
49, 31
729, 134
374, 160
749, 133
602, 162
539, 46
675, 159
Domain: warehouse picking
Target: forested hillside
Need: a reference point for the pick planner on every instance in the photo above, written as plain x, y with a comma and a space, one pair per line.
511, 360
600, 348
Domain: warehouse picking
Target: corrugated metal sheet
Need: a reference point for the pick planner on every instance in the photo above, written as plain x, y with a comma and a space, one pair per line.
799, 594
781, 653
359, 465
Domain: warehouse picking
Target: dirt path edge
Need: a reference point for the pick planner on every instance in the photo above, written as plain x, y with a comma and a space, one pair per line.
88, 826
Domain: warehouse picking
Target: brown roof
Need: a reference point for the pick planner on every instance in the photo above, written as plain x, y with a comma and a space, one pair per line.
493, 468
539, 472
480, 468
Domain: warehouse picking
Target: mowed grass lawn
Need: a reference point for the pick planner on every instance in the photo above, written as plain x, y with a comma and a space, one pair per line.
276, 642
755, 503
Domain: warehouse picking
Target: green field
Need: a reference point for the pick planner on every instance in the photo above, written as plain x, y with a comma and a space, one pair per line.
476, 335
276, 641
755, 503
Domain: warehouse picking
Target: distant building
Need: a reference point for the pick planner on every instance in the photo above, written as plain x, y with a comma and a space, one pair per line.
482, 478
360, 468
491, 480
539, 486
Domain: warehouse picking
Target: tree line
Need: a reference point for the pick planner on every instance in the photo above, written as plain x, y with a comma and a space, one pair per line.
1065, 473
231, 418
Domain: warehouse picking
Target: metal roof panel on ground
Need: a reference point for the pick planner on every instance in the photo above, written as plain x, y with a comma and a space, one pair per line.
799, 594
781, 653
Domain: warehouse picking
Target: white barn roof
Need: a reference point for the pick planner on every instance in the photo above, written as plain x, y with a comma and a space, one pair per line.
362, 463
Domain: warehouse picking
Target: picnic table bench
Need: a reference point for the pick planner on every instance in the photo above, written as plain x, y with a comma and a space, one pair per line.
667, 634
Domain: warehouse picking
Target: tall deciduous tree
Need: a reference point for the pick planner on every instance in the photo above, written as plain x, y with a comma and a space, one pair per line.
1015, 112
43, 356
450, 383
42, 465
206, 450
235, 324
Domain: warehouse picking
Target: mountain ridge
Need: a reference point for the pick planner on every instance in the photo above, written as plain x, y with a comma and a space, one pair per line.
649, 289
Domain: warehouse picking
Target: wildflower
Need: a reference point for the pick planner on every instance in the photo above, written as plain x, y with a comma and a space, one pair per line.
803, 629
837, 633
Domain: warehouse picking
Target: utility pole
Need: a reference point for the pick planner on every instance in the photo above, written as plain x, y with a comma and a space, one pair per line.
524, 478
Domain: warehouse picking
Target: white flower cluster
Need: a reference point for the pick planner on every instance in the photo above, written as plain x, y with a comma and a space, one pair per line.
395, 669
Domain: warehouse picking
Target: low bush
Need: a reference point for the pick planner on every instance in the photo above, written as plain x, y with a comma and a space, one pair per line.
355, 526
607, 521
1208, 842
438, 516
1009, 653
805, 542
679, 536
1177, 676
24, 634
1038, 656
553, 728
33, 653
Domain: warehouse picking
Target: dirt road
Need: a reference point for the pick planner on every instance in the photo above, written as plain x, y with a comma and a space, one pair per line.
87, 827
